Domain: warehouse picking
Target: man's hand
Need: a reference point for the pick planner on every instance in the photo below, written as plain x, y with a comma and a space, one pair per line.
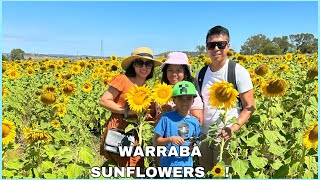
177, 140
225, 133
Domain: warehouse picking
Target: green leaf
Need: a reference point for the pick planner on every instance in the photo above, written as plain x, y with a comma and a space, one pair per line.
296, 123
49, 176
240, 166
258, 162
8, 173
46, 165
311, 162
129, 128
308, 175
74, 171
277, 164
277, 150
282, 172
294, 168
277, 123
86, 155
253, 141
14, 164
270, 136
233, 146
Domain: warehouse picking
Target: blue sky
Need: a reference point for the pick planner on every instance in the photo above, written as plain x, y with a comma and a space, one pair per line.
78, 27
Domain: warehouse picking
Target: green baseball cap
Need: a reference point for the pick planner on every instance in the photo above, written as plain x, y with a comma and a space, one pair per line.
184, 88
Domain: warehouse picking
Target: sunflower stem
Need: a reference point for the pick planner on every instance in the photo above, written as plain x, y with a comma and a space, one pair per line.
302, 162
223, 141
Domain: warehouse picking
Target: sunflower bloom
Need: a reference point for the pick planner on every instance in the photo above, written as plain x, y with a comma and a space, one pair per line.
139, 98
223, 95
162, 93
66, 75
13, 74
288, 56
8, 131
26, 132
87, 86
38, 135
68, 88
274, 88
60, 109
48, 98
5, 92
30, 71
50, 88
262, 70
55, 123
95, 76
311, 136
75, 69
217, 171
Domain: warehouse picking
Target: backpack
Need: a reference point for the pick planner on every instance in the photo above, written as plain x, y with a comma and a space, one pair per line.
231, 78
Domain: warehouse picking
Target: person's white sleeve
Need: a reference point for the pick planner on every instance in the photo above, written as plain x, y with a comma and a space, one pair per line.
197, 104
243, 79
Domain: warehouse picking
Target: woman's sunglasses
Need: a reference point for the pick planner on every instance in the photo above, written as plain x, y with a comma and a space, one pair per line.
139, 63
220, 44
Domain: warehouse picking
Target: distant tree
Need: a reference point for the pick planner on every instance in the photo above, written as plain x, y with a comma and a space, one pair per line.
4, 58
29, 58
283, 43
17, 54
271, 49
254, 44
304, 42
201, 49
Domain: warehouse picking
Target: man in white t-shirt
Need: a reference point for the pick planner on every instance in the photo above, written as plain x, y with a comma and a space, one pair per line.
217, 46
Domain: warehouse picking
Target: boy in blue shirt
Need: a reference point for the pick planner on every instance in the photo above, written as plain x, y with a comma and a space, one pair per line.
175, 128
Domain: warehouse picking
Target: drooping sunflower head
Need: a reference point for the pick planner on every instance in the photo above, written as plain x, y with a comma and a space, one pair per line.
68, 88
312, 72
8, 131
66, 75
162, 93
5, 92
261, 70
87, 86
50, 88
48, 98
311, 136
218, 171
222, 95
139, 98
275, 87
38, 135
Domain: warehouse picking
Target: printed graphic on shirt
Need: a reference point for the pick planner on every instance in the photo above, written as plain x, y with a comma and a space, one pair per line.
183, 130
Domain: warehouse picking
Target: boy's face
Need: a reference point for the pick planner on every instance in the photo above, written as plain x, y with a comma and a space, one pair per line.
183, 103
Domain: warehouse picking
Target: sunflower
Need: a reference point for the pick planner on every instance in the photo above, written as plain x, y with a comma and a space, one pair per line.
30, 71
38, 92
162, 93
38, 135
261, 70
75, 69
139, 98
66, 75
276, 87
68, 88
217, 171
48, 98
59, 63
58, 75
87, 86
82, 64
13, 74
288, 56
95, 76
229, 53
311, 136
50, 88
60, 109
222, 95
113, 58
102, 70
101, 62
26, 132
207, 61
312, 73
5, 92
55, 123
8, 131
282, 68
316, 90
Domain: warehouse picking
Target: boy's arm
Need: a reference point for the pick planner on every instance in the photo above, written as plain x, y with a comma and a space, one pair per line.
161, 141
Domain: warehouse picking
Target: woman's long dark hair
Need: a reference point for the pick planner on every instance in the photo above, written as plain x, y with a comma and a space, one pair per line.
187, 75
130, 72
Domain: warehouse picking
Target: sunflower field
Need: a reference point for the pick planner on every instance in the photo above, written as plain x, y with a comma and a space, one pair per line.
52, 122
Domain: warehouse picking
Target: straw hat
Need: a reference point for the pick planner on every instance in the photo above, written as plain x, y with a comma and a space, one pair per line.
178, 58
139, 53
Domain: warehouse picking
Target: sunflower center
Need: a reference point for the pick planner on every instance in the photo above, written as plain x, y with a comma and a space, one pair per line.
140, 98
217, 170
313, 136
5, 130
163, 94
223, 94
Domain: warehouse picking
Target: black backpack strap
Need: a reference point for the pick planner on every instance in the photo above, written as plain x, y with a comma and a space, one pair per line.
201, 77
232, 79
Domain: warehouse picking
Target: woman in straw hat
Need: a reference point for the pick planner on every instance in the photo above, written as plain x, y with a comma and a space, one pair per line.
138, 68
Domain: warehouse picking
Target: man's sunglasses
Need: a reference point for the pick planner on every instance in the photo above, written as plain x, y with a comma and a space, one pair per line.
139, 63
220, 44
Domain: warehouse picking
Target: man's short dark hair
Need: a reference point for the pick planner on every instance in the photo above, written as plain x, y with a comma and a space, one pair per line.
217, 30
187, 75
130, 72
